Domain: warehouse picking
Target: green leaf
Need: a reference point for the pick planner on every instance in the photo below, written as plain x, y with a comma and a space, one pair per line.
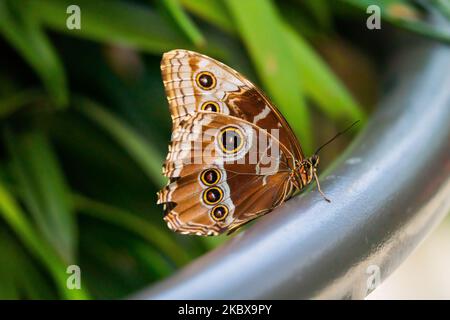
214, 12
16, 219
118, 22
184, 22
261, 30
142, 151
19, 277
13, 102
320, 82
8, 286
443, 6
46, 194
135, 224
321, 11
24, 33
155, 260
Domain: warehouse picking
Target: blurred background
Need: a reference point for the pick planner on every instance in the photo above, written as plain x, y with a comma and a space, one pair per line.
84, 123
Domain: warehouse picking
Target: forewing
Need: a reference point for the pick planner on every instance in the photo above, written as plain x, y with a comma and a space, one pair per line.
231, 94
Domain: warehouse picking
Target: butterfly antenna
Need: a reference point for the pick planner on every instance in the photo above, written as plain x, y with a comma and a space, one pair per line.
336, 136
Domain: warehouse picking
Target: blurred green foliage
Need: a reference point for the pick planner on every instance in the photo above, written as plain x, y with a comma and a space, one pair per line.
85, 123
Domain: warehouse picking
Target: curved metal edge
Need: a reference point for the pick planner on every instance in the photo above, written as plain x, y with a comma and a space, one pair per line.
388, 191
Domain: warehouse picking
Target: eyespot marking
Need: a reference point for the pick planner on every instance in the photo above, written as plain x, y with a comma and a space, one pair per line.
210, 106
231, 139
210, 177
205, 80
219, 212
212, 195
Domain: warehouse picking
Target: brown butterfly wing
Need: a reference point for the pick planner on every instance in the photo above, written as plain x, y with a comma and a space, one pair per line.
247, 182
228, 92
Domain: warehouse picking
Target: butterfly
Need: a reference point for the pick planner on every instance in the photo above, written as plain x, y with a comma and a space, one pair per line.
232, 156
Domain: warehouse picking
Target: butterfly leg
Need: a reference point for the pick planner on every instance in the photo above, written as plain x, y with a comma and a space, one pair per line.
318, 187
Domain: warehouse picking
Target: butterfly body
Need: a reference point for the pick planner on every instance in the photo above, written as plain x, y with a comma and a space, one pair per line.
232, 156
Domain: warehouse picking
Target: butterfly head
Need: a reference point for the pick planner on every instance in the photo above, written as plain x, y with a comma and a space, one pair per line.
309, 166
305, 171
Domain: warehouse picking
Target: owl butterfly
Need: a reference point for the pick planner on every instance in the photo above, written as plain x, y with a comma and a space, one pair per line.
232, 155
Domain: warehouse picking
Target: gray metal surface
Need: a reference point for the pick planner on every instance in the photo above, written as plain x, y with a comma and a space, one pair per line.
388, 190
